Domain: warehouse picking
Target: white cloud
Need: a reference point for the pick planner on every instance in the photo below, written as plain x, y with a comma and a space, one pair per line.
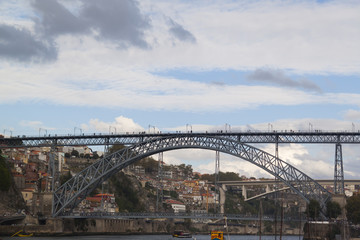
88, 84
241, 35
352, 114
120, 125
36, 125
304, 36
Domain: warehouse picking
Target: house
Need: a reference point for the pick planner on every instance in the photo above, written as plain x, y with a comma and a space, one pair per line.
177, 206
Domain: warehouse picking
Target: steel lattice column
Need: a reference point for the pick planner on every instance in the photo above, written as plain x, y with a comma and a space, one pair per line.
159, 190
339, 171
217, 176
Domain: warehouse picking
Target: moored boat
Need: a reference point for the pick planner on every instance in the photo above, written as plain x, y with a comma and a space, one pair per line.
217, 235
181, 234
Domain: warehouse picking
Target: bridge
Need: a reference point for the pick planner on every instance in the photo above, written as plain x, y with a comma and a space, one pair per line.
269, 186
214, 216
143, 144
12, 218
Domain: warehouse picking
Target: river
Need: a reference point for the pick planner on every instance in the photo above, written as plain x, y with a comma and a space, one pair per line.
152, 237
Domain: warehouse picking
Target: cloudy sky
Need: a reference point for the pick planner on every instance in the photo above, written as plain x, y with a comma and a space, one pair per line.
99, 66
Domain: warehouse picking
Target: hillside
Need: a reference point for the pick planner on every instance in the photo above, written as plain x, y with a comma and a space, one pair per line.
10, 197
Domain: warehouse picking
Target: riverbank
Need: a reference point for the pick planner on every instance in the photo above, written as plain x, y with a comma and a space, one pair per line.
62, 227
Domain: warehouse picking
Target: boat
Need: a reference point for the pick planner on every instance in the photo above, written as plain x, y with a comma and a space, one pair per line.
18, 234
217, 235
25, 235
181, 234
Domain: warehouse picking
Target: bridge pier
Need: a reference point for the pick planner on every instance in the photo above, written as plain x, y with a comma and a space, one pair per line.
222, 198
267, 188
244, 193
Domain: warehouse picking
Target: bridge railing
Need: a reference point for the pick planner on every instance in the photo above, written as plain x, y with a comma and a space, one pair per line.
160, 215
210, 216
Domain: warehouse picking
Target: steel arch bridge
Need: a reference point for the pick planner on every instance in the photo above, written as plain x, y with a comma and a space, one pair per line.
71, 193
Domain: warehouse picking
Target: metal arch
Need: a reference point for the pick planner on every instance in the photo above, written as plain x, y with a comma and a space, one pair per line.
67, 196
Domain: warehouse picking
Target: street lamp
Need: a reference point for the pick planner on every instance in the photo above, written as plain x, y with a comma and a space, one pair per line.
79, 130
188, 125
42, 129
7, 130
227, 126
113, 128
150, 126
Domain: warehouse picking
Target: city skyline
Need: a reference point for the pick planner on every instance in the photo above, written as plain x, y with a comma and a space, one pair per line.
86, 66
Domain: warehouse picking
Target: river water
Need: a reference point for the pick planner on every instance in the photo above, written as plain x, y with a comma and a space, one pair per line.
153, 237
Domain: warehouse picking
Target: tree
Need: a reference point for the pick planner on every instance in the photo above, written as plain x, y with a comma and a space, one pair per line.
353, 209
75, 153
95, 155
67, 155
5, 177
333, 209
64, 178
115, 148
313, 209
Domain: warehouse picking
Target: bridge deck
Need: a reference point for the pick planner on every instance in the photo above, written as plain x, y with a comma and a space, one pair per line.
132, 138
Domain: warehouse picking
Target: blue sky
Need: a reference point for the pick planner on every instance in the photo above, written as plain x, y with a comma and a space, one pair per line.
125, 65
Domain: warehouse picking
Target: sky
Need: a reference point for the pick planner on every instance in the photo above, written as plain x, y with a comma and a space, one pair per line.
76, 66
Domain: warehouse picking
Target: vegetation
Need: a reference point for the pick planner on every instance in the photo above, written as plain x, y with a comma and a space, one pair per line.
227, 176
353, 209
126, 196
75, 153
5, 177
64, 178
313, 209
333, 209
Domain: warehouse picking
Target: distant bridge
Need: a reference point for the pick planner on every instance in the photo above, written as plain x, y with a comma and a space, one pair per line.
270, 182
213, 216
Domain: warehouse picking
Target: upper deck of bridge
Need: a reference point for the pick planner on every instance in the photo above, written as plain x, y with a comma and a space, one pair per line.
285, 136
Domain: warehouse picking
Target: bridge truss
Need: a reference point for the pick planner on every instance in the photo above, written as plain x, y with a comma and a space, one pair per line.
71, 193
134, 138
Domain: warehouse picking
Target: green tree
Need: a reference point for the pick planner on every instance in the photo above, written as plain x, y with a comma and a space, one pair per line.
333, 209
227, 176
115, 148
353, 209
95, 155
75, 153
67, 155
313, 209
64, 178
5, 177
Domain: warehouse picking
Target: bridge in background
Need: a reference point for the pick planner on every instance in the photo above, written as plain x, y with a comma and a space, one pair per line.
212, 216
272, 186
235, 143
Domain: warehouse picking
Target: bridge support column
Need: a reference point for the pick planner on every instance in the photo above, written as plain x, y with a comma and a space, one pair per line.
159, 189
222, 198
338, 171
244, 194
217, 176
267, 188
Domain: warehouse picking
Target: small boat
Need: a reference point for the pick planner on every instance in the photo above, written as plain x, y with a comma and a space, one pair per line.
18, 234
25, 235
181, 234
217, 235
